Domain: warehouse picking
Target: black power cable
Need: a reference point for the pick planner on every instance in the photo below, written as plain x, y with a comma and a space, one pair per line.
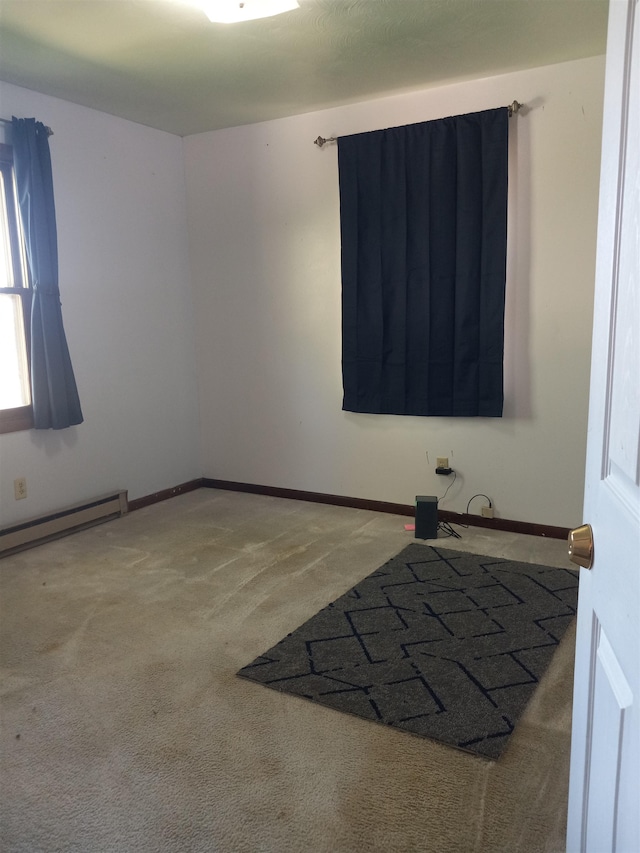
448, 530
448, 487
479, 495
444, 526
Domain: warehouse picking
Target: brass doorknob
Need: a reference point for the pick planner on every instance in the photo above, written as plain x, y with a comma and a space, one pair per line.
581, 546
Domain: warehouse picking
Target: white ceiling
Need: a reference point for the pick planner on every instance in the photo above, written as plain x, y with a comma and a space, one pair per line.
163, 64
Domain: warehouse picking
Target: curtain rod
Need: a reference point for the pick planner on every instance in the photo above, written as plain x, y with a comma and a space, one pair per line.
512, 109
8, 121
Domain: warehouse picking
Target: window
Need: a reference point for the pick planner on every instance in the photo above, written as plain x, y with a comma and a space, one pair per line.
15, 301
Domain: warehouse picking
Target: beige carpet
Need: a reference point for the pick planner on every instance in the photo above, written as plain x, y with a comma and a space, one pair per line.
125, 728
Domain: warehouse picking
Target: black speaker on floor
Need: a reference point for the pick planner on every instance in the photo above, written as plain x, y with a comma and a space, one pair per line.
426, 517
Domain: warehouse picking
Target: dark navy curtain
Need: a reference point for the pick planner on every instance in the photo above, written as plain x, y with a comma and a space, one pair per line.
53, 386
423, 217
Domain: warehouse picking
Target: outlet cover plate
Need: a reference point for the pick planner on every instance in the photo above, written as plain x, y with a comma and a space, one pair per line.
20, 488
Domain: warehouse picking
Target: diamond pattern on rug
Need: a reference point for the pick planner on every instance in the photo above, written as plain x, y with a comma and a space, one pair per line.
436, 642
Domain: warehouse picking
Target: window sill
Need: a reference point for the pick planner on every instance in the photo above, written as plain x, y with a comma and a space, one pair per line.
16, 420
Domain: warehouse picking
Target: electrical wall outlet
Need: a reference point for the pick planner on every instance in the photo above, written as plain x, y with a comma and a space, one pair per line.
20, 488
487, 512
442, 461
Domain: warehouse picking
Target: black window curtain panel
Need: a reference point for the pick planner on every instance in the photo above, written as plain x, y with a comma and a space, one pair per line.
423, 217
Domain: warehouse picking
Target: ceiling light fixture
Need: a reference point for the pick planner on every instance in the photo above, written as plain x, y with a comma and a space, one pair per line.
234, 11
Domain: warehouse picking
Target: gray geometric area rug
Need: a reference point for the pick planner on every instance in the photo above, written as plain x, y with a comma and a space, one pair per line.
439, 643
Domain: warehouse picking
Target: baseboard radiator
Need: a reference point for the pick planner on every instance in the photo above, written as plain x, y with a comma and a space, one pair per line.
28, 534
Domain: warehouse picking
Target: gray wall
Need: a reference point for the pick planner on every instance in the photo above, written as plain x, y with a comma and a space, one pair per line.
257, 236
263, 214
126, 299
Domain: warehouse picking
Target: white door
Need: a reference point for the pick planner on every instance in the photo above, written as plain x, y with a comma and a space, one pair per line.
604, 791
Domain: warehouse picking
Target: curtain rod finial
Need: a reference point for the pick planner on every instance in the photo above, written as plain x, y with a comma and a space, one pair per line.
320, 141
